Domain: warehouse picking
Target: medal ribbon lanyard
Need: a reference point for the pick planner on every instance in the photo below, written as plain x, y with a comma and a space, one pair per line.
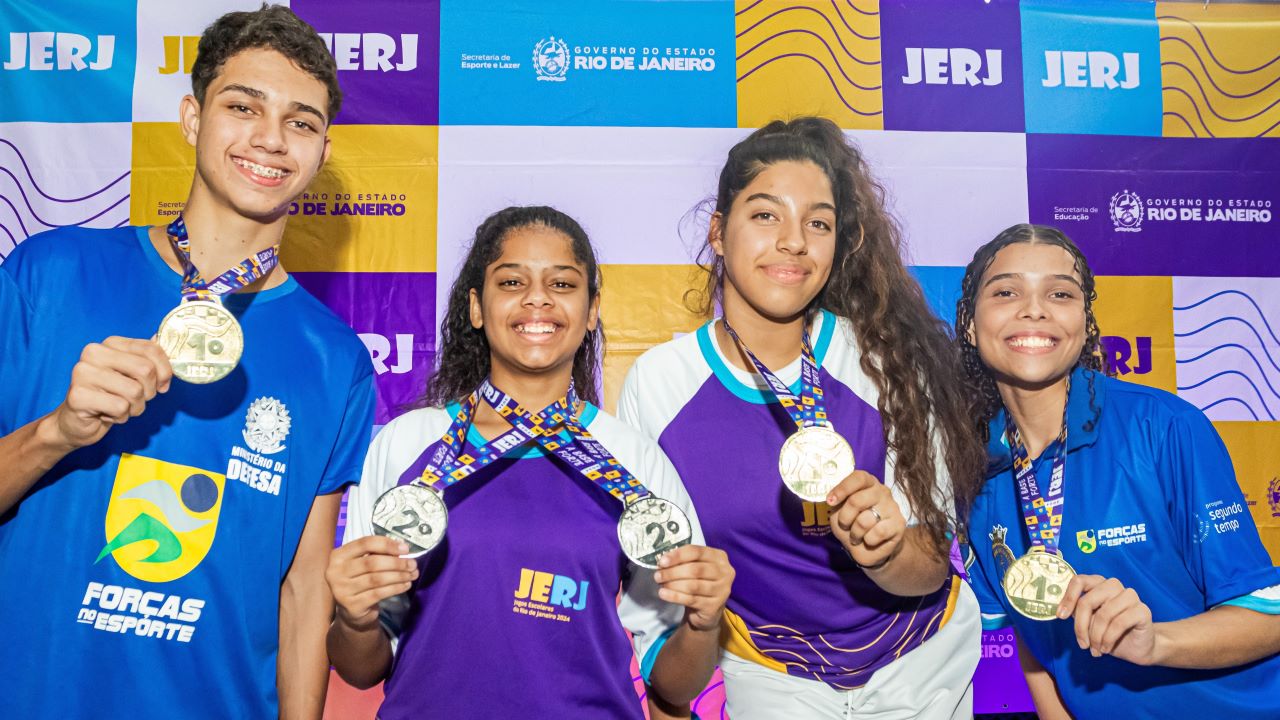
243, 275
445, 463
808, 408
583, 453
1041, 511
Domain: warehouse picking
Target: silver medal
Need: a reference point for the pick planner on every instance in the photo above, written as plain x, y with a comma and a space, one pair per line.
650, 527
413, 513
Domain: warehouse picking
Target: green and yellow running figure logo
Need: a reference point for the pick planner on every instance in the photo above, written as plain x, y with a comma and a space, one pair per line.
1087, 541
162, 518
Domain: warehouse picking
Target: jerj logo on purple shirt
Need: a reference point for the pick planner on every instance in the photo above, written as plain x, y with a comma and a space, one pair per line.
546, 588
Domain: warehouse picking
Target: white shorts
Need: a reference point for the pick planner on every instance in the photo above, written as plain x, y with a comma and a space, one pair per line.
932, 682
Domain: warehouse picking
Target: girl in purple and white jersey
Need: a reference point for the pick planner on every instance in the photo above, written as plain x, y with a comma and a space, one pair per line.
518, 606
845, 603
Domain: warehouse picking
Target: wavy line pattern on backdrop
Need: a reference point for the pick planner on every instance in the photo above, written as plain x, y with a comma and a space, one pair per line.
1227, 346
29, 204
809, 57
1220, 70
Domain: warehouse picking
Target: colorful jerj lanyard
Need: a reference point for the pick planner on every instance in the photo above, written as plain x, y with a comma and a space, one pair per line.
414, 510
1041, 510
648, 526
806, 409
815, 458
1036, 582
446, 463
194, 287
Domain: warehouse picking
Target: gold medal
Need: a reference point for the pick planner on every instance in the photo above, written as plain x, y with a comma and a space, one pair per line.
813, 461
202, 339
1035, 583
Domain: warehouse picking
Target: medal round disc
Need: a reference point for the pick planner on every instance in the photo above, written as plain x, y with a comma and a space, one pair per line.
813, 461
202, 339
415, 514
650, 527
1035, 583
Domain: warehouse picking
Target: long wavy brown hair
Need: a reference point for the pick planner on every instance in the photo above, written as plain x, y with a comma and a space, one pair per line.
1091, 357
906, 350
463, 361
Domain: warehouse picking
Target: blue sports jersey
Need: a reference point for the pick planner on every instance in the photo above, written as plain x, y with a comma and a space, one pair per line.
1150, 498
141, 577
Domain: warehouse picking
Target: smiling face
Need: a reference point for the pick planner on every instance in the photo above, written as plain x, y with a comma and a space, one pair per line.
778, 241
260, 134
1029, 316
535, 308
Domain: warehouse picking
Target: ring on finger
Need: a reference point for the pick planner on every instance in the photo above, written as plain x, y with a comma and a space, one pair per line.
876, 512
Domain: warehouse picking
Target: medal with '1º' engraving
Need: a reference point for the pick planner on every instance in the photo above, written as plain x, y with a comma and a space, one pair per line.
1035, 583
202, 340
813, 461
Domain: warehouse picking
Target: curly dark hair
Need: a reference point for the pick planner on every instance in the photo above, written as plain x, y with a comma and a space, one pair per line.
1091, 357
906, 350
463, 361
274, 27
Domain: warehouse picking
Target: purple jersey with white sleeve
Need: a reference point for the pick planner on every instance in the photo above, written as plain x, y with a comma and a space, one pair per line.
799, 604
519, 604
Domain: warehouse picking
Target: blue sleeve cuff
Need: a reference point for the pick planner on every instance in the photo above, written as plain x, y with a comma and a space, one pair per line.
995, 622
651, 655
1265, 601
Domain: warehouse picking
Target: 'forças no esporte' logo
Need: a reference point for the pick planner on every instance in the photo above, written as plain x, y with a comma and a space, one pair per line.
1090, 540
162, 518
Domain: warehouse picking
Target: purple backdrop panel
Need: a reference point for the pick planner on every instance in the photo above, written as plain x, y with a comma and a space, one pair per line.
951, 65
394, 315
1160, 206
998, 685
388, 54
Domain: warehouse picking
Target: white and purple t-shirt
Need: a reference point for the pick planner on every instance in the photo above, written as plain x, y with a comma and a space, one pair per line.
799, 604
519, 604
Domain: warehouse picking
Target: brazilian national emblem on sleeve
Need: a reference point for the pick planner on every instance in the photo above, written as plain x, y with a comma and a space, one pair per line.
1001, 552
